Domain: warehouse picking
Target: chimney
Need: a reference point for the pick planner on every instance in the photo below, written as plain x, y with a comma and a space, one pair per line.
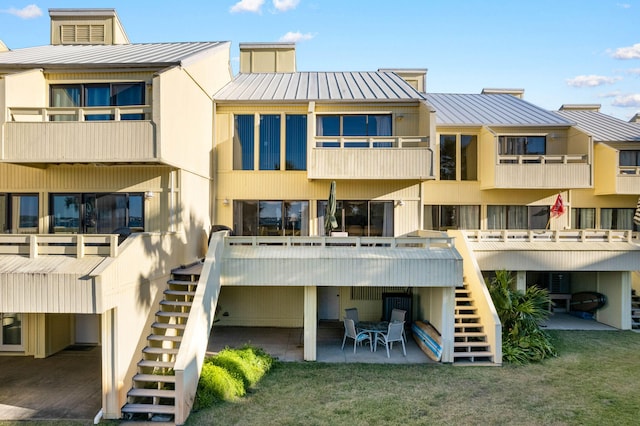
581, 107
518, 93
86, 26
416, 77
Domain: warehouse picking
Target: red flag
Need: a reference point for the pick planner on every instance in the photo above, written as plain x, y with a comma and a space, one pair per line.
558, 207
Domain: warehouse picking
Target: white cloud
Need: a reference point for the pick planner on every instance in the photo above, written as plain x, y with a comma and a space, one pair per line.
296, 36
247, 6
634, 71
284, 5
28, 12
624, 5
591, 80
627, 101
631, 52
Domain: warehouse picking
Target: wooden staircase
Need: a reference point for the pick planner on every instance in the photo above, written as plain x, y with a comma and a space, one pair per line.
152, 396
635, 311
470, 341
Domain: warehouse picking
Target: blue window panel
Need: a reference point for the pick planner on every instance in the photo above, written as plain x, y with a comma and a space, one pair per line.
243, 142
328, 125
296, 142
269, 142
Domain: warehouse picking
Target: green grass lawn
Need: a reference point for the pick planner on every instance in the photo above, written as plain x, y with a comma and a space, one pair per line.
595, 380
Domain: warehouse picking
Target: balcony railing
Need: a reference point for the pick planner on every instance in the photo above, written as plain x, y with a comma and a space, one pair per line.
377, 157
34, 245
567, 235
388, 242
114, 113
542, 171
79, 135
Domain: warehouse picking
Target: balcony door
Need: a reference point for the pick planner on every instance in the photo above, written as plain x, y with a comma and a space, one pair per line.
19, 213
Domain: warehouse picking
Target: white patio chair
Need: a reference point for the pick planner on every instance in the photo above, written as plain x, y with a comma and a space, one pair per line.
350, 332
393, 334
399, 315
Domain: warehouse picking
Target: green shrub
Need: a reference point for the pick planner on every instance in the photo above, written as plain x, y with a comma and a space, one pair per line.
523, 340
216, 385
227, 375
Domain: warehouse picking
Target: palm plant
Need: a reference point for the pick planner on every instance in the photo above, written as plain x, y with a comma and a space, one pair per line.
523, 340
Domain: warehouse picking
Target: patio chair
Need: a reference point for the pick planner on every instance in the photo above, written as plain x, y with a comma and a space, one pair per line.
352, 313
399, 315
350, 332
393, 334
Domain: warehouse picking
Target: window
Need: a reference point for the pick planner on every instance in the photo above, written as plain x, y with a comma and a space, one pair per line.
453, 159
19, 213
296, 142
629, 159
270, 142
522, 145
583, 218
517, 217
354, 125
451, 217
96, 213
243, 141
621, 219
11, 336
360, 218
274, 218
95, 95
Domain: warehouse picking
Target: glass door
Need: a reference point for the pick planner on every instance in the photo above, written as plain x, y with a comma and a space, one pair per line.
11, 336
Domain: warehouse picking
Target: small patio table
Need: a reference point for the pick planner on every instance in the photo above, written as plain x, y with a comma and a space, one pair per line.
373, 328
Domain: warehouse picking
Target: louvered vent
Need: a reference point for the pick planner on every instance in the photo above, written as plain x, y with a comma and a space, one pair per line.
373, 293
82, 34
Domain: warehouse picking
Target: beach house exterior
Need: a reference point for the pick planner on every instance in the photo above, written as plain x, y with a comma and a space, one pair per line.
143, 188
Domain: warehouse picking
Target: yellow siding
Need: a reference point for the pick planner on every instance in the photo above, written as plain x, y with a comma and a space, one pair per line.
261, 306
606, 169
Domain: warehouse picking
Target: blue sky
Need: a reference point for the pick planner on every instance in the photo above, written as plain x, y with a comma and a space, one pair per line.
558, 51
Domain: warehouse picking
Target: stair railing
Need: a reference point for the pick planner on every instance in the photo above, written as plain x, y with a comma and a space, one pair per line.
195, 338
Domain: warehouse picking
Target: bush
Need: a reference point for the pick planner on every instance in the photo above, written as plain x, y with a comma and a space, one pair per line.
228, 375
523, 340
216, 385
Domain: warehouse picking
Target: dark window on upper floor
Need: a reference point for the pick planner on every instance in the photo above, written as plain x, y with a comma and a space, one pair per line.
522, 145
96, 95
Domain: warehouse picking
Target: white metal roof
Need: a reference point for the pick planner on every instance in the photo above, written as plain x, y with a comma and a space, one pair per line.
603, 127
127, 55
318, 86
490, 110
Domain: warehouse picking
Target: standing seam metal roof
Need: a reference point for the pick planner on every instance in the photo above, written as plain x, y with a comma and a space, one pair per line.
159, 54
310, 86
490, 110
602, 127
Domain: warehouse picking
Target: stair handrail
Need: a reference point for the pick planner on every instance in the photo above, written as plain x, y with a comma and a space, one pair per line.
195, 338
475, 282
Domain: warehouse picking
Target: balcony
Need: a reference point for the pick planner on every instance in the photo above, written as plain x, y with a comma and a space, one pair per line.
380, 157
541, 172
33, 135
611, 177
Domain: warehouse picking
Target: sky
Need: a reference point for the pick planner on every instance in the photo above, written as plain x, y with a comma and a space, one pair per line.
558, 51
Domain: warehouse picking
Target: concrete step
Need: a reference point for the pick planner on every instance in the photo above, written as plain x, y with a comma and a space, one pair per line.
467, 317
176, 303
182, 282
470, 344
179, 293
474, 354
171, 314
468, 334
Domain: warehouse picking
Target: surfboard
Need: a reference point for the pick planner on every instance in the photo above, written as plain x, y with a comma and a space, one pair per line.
587, 301
428, 339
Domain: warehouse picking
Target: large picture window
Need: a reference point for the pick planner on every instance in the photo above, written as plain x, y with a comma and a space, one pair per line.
517, 217
96, 95
19, 213
451, 217
353, 125
296, 142
458, 152
583, 218
96, 213
629, 160
271, 218
360, 218
522, 145
621, 219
